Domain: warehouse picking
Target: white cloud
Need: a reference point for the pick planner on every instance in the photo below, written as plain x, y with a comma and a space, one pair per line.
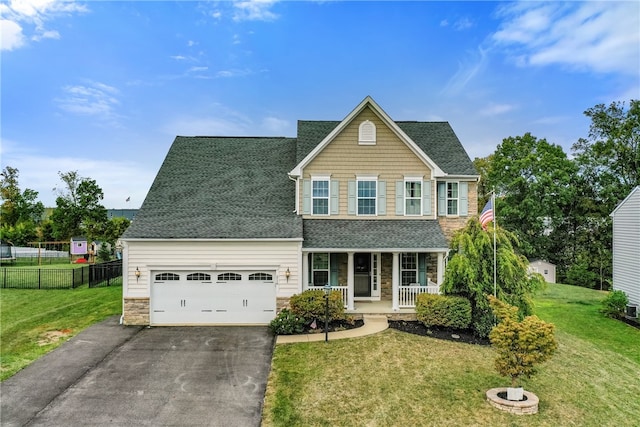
593, 36
466, 72
27, 18
92, 99
117, 179
254, 10
496, 109
275, 126
11, 36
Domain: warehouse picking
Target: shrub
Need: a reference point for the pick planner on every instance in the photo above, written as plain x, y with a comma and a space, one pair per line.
615, 304
521, 345
310, 304
287, 323
443, 310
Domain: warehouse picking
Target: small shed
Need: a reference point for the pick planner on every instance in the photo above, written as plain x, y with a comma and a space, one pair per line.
546, 269
79, 246
626, 249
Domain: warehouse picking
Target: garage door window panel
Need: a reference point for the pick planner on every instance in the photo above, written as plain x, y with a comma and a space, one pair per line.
265, 277
200, 277
162, 277
229, 277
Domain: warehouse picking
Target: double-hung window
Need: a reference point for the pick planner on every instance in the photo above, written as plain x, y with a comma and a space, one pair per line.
366, 196
320, 269
413, 197
452, 198
320, 196
409, 268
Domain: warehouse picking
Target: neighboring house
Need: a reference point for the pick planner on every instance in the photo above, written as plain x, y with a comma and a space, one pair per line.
546, 269
129, 214
626, 247
232, 227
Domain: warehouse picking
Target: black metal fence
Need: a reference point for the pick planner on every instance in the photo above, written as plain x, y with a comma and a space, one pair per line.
105, 274
96, 275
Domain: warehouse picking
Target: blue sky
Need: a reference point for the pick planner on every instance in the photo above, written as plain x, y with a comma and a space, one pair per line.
104, 87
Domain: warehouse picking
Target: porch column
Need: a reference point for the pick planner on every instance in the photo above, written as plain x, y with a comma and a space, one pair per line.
440, 268
305, 270
350, 282
395, 281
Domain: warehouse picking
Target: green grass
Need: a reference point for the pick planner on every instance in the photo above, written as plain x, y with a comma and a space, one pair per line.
34, 322
399, 379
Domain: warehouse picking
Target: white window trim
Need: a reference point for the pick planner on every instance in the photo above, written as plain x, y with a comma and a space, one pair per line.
317, 178
416, 270
365, 178
446, 198
419, 181
314, 269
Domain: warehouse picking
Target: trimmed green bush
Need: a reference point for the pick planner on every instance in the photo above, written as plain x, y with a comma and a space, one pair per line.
287, 323
615, 304
521, 345
443, 310
310, 305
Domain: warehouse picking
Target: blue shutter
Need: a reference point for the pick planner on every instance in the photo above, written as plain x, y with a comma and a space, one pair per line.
422, 269
382, 198
335, 197
442, 198
351, 202
463, 190
426, 198
333, 266
306, 196
399, 197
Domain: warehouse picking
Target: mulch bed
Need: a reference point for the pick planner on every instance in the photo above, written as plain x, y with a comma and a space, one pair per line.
457, 335
336, 325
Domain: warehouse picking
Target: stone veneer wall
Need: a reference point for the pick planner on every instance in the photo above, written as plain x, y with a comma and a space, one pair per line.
136, 311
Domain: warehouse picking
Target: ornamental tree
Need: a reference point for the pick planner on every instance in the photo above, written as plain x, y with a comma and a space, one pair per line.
469, 273
521, 344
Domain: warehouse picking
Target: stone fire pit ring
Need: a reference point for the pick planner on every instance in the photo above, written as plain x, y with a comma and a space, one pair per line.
528, 406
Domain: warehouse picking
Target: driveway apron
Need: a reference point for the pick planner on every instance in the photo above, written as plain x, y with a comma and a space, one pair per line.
165, 376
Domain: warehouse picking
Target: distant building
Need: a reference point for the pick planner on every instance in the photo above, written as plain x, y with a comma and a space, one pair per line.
545, 268
122, 213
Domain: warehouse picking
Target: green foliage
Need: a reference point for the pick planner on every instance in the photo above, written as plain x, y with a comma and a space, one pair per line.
615, 304
521, 344
310, 305
17, 207
19, 234
78, 210
443, 310
115, 228
287, 323
104, 253
469, 273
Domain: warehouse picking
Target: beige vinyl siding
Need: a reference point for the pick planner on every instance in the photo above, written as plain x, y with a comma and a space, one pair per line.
205, 255
390, 159
626, 247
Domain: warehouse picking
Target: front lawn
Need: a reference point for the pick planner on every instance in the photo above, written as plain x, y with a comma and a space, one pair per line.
33, 322
399, 379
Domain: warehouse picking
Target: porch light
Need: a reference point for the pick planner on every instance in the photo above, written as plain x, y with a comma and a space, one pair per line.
137, 273
287, 274
327, 291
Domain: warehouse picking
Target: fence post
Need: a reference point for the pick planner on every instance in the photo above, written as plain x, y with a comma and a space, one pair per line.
39, 278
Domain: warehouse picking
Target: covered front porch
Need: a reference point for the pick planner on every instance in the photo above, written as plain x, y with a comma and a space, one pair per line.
379, 265
375, 282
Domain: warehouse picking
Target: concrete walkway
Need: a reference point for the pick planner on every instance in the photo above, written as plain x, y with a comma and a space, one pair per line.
372, 325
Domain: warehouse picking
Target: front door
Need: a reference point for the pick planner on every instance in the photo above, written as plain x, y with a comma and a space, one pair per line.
366, 272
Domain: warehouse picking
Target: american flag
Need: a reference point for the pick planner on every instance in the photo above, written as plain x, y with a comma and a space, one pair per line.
486, 216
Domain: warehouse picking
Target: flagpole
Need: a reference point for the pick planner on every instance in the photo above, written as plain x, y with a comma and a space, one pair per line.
495, 262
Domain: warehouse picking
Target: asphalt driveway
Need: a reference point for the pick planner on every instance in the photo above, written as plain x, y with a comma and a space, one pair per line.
129, 376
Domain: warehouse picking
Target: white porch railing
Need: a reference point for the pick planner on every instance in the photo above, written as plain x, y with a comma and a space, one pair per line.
408, 294
343, 290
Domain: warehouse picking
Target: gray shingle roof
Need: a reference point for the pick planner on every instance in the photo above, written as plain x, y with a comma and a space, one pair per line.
436, 139
217, 187
373, 234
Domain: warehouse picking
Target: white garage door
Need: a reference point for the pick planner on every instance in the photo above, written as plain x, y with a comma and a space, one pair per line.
207, 298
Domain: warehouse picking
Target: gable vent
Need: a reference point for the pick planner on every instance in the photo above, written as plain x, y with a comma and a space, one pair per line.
367, 133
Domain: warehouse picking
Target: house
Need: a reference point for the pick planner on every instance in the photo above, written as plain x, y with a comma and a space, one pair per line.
546, 269
626, 249
232, 227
